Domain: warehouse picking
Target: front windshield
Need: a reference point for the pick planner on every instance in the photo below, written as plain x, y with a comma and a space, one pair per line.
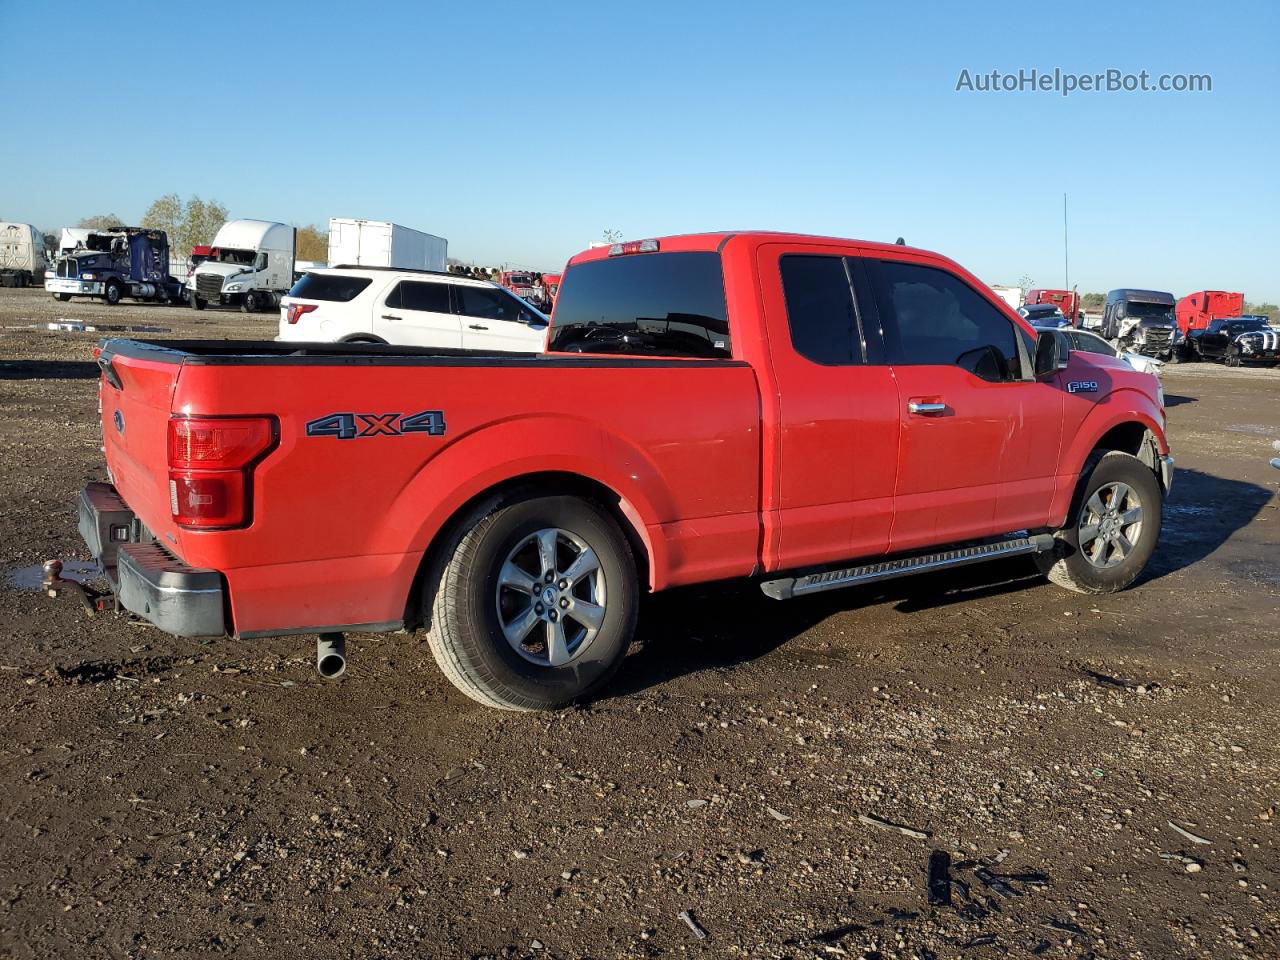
1243, 325
521, 280
243, 258
1139, 310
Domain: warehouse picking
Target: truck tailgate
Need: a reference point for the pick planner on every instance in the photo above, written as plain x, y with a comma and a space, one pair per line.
137, 395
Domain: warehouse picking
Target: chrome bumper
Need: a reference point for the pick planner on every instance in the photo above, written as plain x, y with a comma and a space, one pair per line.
149, 581
84, 288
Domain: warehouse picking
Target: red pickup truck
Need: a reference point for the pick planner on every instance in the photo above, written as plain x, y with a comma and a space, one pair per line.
810, 412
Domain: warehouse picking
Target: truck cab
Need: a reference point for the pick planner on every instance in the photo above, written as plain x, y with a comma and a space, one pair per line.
1141, 321
114, 264
1196, 310
22, 262
251, 265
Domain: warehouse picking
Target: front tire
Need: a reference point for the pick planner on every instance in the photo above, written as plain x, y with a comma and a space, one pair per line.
198, 303
113, 294
62, 297
1115, 524
250, 303
533, 604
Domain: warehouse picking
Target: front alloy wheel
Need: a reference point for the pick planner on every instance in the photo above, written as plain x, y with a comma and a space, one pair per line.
1110, 524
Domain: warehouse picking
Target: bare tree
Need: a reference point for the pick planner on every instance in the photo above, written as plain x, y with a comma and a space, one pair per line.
108, 222
612, 236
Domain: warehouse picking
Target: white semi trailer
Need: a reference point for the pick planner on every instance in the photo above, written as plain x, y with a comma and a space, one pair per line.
22, 262
378, 243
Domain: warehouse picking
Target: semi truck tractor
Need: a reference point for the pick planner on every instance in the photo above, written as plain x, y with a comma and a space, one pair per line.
250, 266
113, 264
1141, 321
1068, 301
22, 261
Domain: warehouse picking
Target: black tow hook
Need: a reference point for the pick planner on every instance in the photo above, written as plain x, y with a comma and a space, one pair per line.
54, 585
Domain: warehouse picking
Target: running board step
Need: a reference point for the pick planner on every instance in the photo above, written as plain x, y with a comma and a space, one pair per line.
785, 588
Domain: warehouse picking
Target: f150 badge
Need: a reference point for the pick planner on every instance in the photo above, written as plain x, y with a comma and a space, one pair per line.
1082, 386
348, 426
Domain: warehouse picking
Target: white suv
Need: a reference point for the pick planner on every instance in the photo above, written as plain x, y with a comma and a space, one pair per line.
418, 308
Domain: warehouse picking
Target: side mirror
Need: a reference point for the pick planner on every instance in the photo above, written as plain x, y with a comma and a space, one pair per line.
1051, 353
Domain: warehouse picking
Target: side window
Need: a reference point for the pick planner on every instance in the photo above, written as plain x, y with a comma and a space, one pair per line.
820, 309
430, 297
938, 319
486, 303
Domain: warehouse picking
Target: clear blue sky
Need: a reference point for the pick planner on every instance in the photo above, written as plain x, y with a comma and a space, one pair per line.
521, 132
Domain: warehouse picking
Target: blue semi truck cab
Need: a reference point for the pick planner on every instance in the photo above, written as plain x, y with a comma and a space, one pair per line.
113, 264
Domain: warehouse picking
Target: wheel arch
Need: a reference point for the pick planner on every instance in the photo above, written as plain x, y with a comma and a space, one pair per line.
1134, 430
524, 486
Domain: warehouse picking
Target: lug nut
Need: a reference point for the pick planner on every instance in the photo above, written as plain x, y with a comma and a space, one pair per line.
563, 584
554, 616
551, 575
538, 608
564, 604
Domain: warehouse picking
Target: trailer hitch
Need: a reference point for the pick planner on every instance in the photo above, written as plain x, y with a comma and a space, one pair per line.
55, 585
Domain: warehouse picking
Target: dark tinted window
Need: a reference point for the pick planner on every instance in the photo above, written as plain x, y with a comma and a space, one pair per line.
1090, 344
940, 319
417, 295
654, 304
488, 303
820, 311
329, 286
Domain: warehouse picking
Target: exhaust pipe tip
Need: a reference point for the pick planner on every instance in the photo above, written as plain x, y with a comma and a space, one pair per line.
331, 656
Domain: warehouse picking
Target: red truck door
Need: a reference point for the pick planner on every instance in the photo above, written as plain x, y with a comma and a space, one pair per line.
980, 443
830, 413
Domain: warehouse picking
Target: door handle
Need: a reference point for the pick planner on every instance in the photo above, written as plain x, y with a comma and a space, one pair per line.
922, 408
476, 326
389, 316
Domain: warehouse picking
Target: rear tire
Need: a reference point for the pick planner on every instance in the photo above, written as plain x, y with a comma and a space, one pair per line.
1114, 525
532, 605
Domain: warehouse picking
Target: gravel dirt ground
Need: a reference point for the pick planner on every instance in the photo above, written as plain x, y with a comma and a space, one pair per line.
163, 797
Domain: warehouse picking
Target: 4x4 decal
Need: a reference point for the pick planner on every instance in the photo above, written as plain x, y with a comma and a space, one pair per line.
348, 426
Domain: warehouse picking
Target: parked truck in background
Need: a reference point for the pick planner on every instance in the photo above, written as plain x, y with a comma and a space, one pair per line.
379, 243
1195, 311
1141, 321
1068, 301
1010, 295
22, 262
251, 264
550, 284
807, 411
522, 283
114, 264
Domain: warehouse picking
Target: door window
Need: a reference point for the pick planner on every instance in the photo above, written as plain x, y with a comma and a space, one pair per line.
938, 319
820, 309
416, 295
487, 304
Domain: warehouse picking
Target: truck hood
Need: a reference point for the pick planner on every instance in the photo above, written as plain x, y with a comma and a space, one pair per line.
223, 270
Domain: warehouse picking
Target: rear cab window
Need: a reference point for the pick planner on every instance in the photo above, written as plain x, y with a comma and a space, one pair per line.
646, 304
329, 286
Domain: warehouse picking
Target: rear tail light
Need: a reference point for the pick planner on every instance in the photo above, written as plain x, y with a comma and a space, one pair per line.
211, 462
296, 311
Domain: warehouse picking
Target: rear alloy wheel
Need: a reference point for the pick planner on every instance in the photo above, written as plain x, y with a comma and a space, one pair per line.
534, 604
1117, 522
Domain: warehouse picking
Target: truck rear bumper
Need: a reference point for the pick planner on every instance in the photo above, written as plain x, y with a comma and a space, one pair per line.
66, 285
149, 581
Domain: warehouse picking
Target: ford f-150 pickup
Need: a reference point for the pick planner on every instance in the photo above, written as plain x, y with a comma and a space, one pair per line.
810, 412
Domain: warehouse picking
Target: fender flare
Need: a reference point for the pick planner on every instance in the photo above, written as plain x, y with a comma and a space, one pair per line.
503, 452
1134, 407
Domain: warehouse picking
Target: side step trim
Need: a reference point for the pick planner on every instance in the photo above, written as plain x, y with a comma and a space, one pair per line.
784, 588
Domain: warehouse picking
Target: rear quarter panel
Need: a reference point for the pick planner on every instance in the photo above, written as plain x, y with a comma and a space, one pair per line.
340, 526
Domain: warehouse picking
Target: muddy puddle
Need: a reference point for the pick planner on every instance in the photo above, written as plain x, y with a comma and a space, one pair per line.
30, 578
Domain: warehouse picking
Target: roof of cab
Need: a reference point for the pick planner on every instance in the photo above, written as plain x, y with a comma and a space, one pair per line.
716, 241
